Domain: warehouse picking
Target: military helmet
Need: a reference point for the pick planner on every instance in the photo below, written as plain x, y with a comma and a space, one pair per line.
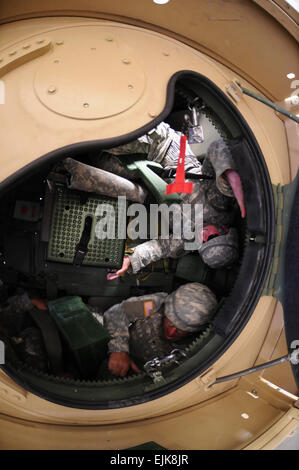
190, 306
221, 251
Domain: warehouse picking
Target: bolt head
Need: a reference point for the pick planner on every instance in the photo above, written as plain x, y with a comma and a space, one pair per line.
52, 89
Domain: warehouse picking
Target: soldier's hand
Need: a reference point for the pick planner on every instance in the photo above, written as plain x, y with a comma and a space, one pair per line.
236, 185
121, 271
120, 362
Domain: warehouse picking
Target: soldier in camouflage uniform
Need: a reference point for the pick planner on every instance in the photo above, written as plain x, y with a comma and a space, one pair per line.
161, 145
152, 326
22, 339
218, 196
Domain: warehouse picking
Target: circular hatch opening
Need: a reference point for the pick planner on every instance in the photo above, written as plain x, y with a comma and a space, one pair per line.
26, 267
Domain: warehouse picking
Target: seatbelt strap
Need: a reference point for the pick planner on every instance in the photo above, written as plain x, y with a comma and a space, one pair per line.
82, 247
51, 338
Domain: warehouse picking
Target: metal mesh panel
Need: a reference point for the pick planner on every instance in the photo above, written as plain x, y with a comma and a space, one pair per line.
68, 219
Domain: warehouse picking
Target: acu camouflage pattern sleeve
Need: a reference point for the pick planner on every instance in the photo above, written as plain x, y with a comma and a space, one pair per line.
216, 210
117, 324
118, 318
177, 243
94, 180
112, 163
154, 250
151, 144
137, 146
214, 203
220, 157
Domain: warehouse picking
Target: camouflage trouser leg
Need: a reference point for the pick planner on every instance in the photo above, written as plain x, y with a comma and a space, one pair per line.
114, 164
95, 180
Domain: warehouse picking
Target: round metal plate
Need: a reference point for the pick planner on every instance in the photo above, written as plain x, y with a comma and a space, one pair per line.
90, 81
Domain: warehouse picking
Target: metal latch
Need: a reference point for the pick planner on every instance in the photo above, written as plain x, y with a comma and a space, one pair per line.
194, 131
234, 90
152, 367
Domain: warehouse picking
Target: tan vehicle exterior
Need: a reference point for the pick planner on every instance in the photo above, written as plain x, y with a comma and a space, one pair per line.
51, 78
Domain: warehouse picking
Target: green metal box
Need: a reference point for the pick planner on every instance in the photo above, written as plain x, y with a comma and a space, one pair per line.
85, 337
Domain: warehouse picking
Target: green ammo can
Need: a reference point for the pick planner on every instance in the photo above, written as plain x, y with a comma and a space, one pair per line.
85, 337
